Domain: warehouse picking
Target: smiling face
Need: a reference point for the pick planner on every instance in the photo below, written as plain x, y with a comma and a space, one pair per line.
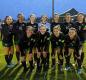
9, 20
44, 18
80, 18
72, 33
29, 31
42, 29
85, 19
32, 18
20, 18
56, 30
68, 18
56, 18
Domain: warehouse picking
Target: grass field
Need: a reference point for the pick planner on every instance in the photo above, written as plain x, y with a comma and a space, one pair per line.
16, 73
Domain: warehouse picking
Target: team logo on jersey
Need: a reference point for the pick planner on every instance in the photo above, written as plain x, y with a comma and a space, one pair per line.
60, 40
20, 28
48, 38
56, 43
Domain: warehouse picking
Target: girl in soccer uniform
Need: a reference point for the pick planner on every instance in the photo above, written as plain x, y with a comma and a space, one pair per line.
43, 46
73, 45
55, 21
57, 43
44, 21
27, 43
19, 32
80, 26
84, 30
67, 23
32, 22
7, 39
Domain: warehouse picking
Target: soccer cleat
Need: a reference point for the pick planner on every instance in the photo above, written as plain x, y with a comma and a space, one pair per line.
79, 71
10, 65
67, 68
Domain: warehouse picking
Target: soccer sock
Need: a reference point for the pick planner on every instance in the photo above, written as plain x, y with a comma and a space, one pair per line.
47, 58
82, 57
10, 57
31, 63
7, 59
38, 62
18, 56
35, 56
24, 64
53, 61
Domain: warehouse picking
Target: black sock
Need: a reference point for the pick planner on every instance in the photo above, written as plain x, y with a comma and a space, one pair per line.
24, 64
82, 57
35, 56
53, 61
18, 56
44, 61
38, 61
31, 63
7, 59
48, 58
10, 57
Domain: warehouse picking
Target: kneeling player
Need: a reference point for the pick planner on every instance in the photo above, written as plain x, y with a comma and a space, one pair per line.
27, 43
57, 44
43, 46
73, 45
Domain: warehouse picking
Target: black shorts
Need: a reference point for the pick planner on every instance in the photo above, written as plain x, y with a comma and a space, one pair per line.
54, 47
7, 44
82, 36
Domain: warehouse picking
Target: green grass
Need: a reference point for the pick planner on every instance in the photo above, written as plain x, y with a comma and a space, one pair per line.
16, 73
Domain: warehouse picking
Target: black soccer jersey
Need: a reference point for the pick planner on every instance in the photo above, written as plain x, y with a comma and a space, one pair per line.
57, 41
35, 26
72, 43
28, 42
43, 41
53, 24
7, 32
80, 28
19, 31
66, 26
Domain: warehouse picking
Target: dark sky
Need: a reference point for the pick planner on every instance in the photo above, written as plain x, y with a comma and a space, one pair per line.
39, 7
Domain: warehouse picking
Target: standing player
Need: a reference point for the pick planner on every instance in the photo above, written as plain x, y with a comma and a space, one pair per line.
55, 21
7, 40
80, 26
19, 32
26, 45
57, 43
67, 23
44, 21
32, 22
